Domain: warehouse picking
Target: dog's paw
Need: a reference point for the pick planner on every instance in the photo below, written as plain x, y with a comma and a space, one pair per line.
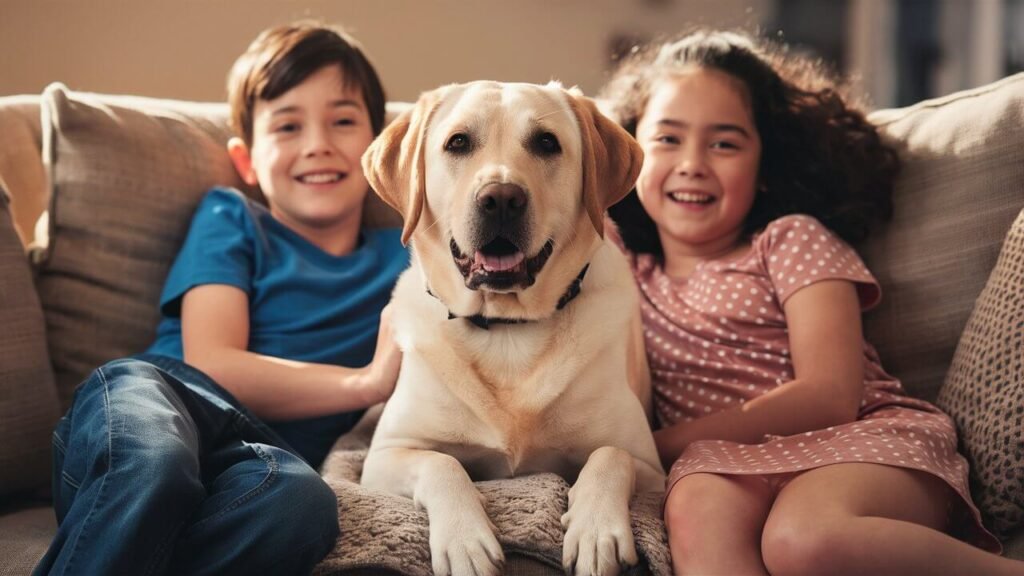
465, 545
598, 539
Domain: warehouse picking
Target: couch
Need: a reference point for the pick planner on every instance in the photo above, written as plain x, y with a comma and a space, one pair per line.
96, 193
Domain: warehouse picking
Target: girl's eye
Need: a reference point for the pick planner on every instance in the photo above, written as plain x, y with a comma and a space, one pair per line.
724, 145
666, 139
288, 127
344, 122
458, 143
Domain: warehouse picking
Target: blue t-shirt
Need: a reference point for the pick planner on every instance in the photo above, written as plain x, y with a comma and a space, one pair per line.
304, 304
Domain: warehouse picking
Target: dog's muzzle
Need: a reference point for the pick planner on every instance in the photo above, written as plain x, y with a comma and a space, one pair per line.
497, 260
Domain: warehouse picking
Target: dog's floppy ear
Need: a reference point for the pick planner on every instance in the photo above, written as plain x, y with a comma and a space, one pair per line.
611, 158
394, 165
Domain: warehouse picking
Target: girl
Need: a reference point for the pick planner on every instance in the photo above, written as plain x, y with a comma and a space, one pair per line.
791, 450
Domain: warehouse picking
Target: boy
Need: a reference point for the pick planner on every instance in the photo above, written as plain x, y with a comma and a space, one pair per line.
157, 465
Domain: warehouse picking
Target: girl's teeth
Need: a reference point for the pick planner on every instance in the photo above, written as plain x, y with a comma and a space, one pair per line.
320, 178
687, 197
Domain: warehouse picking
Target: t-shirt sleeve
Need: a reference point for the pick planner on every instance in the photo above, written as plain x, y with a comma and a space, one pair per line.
217, 250
799, 250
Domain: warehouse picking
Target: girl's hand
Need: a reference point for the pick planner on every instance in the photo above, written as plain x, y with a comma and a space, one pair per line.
382, 373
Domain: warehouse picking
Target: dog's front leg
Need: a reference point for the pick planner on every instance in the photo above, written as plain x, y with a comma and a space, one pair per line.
462, 541
598, 536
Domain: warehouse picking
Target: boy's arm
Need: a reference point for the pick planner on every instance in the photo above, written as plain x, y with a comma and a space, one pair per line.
215, 332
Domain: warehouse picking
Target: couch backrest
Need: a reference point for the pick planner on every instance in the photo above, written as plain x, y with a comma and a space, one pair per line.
126, 172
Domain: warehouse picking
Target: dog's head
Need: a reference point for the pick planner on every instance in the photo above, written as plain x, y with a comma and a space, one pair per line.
503, 188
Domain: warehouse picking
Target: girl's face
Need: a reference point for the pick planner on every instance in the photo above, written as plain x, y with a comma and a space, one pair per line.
701, 156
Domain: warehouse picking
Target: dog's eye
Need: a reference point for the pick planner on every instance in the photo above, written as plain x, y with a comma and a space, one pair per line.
458, 143
545, 144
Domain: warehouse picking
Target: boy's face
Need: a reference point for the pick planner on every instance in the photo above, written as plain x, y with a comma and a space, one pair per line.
306, 150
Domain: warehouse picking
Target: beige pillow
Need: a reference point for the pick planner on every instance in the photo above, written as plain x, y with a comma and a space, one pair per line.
28, 397
984, 390
126, 174
962, 185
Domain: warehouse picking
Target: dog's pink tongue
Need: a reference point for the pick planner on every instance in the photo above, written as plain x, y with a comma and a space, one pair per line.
498, 263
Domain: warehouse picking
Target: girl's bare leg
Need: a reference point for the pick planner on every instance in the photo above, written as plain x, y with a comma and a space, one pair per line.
714, 524
869, 519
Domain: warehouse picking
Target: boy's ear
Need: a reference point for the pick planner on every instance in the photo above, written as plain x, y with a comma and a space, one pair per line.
242, 160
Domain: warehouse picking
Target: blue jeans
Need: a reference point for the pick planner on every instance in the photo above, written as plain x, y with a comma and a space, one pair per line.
159, 470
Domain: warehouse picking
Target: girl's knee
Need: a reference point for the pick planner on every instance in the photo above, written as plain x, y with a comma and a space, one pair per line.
692, 503
802, 545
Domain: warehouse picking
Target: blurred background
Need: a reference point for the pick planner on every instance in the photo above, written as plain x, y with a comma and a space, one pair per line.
896, 51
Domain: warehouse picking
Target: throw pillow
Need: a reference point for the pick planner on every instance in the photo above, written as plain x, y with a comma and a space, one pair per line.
984, 390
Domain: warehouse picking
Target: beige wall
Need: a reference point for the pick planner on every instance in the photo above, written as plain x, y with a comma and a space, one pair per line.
183, 48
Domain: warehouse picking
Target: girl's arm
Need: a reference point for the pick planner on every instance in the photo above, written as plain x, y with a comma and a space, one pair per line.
827, 349
215, 334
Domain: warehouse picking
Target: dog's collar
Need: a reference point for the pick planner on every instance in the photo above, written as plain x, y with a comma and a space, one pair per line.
484, 322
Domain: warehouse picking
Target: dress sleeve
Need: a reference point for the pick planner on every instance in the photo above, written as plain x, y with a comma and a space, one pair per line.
799, 250
217, 250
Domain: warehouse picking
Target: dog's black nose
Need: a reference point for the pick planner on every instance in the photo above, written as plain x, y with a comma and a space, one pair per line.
503, 202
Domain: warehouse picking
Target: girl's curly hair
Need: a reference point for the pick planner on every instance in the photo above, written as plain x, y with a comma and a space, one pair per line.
819, 154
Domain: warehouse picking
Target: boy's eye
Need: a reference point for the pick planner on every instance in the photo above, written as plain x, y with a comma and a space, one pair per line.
287, 127
666, 139
724, 145
344, 122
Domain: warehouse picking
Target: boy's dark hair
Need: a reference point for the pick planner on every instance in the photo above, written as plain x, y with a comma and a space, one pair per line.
819, 154
282, 57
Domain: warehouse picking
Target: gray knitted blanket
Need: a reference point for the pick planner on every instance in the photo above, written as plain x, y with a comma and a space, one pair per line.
381, 531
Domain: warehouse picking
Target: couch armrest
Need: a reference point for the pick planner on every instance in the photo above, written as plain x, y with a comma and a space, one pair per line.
21, 167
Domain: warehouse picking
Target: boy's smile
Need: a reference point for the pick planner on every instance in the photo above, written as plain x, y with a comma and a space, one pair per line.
305, 157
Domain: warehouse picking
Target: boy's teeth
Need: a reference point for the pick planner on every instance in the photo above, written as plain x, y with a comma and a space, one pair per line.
687, 197
321, 178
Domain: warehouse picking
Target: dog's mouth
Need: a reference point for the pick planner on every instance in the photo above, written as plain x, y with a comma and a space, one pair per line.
500, 265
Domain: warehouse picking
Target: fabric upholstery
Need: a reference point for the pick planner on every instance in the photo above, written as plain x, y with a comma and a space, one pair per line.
962, 185
25, 533
28, 397
984, 390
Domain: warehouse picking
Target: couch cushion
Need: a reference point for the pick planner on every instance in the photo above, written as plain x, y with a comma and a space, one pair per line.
25, 534
984, 390
962, 185
28, 397
126, 174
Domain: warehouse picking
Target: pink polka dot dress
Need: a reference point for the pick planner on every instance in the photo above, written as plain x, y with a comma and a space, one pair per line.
718, 339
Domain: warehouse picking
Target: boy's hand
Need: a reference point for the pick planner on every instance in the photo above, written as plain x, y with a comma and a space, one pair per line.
383, 370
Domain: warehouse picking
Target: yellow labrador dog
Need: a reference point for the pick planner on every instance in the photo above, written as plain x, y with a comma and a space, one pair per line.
519, 323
